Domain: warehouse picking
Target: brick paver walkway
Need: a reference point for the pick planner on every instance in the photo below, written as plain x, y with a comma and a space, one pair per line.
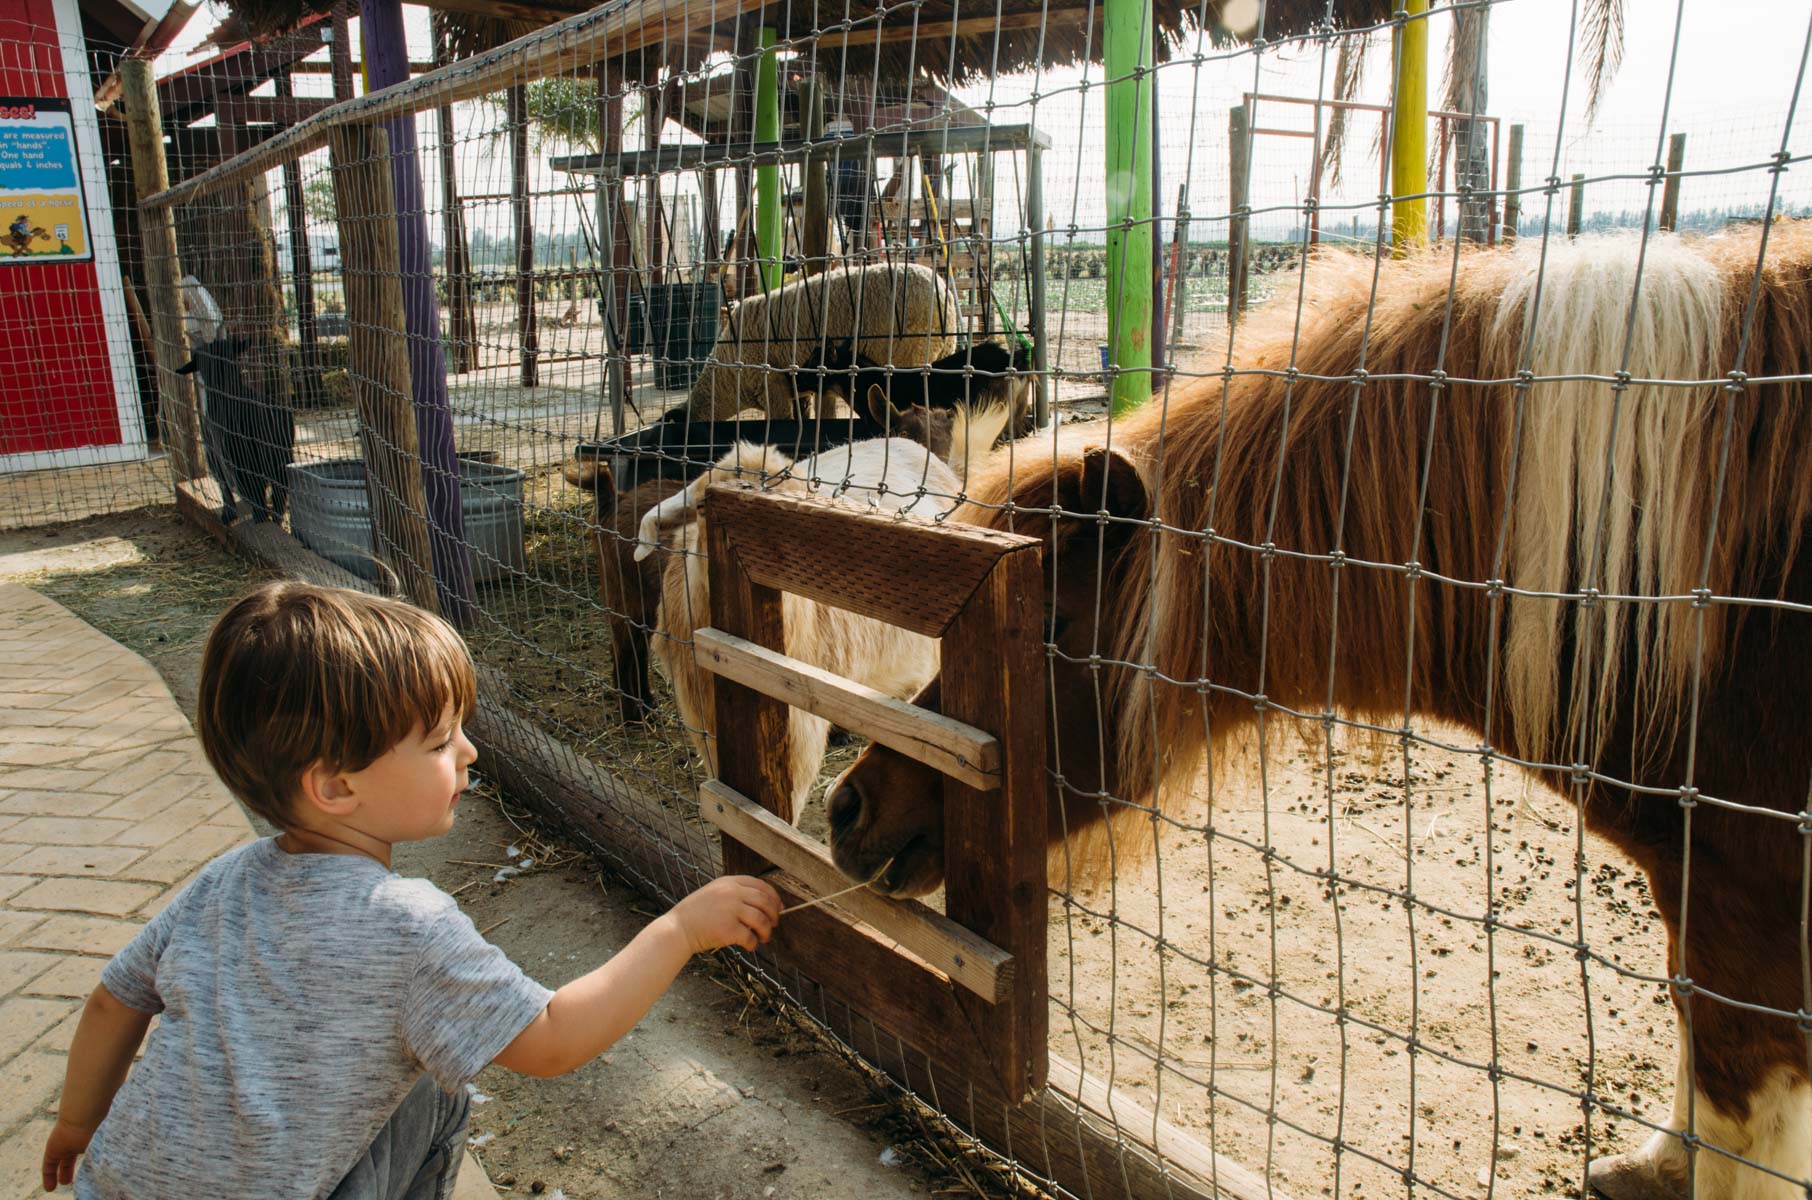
107, 807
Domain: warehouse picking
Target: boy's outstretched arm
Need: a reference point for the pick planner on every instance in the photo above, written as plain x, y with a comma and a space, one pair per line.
106, 1038
589, 1014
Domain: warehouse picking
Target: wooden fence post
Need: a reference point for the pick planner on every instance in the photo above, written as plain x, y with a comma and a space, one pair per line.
1239, 149
1576, 207
1670, 191
378, 355
814, 237
178, 429
525, 234
1513, 183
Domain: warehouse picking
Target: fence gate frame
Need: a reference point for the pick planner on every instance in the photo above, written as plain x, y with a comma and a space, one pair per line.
968, 989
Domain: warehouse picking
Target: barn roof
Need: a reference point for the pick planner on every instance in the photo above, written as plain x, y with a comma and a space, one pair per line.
901, 40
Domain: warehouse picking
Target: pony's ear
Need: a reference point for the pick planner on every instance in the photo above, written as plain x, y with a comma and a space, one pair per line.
1104, 479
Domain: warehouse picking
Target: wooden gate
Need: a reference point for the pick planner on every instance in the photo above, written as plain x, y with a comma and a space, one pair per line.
966, 988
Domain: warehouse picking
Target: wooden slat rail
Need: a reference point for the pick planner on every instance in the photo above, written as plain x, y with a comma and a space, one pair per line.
969, 961
956, 749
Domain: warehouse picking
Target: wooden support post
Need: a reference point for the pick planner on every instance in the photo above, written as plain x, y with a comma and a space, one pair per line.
302, 272
1035, 297
814, 238
1576, 206
339, 53
1239, 149
462, 330
378, 355
712, 224
1179, 266
244, 276
744, 609
1126, 48
770, 230
741, 271
994, 851
522, 220
654, 225
178, 427
1513, 184
1409, 131
613, 233
1670, 191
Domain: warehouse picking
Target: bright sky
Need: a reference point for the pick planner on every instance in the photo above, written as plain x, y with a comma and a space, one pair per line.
1737, 69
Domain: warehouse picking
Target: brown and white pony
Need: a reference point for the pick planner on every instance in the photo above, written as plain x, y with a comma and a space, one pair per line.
1341, 535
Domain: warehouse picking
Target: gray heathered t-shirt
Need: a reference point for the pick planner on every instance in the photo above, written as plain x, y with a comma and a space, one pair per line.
302, 996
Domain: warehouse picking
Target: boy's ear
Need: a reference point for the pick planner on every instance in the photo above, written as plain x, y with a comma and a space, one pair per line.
326, 790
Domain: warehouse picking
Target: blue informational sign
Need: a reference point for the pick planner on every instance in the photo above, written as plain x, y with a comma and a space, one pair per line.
42, 212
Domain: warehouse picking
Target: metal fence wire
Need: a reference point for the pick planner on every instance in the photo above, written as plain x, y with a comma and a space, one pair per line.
1427, 623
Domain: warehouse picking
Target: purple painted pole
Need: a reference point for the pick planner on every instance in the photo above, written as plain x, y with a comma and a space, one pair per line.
386, 63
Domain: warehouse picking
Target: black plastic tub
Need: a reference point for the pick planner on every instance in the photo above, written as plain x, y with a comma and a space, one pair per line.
684, 449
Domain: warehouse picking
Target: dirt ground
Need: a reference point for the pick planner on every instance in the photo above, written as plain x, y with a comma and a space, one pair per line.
1227, 961
712, 1097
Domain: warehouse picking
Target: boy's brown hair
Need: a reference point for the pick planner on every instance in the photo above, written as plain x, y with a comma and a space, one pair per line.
295, 674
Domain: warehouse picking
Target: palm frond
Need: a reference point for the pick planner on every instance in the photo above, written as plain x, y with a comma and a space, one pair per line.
1601, 22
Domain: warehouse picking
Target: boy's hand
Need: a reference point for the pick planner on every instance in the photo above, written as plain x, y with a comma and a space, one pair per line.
65, 1144
737, 910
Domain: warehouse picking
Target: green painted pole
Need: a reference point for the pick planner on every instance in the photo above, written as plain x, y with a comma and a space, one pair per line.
768, 215
1126, 44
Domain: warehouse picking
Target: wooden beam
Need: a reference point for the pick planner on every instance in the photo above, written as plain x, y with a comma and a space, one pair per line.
269, 110
326, 68
543, 13
888, 572
594, 36
907, 31
969, 961
236, 73
956, 749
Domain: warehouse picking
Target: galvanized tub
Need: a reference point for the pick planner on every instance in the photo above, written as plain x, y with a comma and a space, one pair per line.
330, 513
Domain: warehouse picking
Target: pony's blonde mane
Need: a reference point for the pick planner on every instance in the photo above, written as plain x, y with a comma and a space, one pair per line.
1612, 488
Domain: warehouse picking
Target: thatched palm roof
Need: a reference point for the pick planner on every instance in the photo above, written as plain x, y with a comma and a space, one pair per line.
940, 40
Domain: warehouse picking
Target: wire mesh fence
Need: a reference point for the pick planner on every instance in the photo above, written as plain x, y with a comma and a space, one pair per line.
1426, 775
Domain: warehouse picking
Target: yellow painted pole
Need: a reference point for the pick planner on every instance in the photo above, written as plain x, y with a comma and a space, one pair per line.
1409, 130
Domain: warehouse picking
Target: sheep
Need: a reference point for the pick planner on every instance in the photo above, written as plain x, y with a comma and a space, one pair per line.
890, 473
981, 376
902, 314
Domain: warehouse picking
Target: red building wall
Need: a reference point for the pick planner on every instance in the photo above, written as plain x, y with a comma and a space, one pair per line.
57, 389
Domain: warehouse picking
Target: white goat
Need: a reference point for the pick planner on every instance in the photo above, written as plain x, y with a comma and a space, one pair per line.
889, 473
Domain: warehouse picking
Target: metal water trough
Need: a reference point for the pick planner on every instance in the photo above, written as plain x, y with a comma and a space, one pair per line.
330, 513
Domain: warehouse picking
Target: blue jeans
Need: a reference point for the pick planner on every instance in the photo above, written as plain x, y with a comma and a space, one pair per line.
418, 1151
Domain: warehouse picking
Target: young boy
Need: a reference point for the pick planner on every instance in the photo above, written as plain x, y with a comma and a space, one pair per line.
322, 1015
